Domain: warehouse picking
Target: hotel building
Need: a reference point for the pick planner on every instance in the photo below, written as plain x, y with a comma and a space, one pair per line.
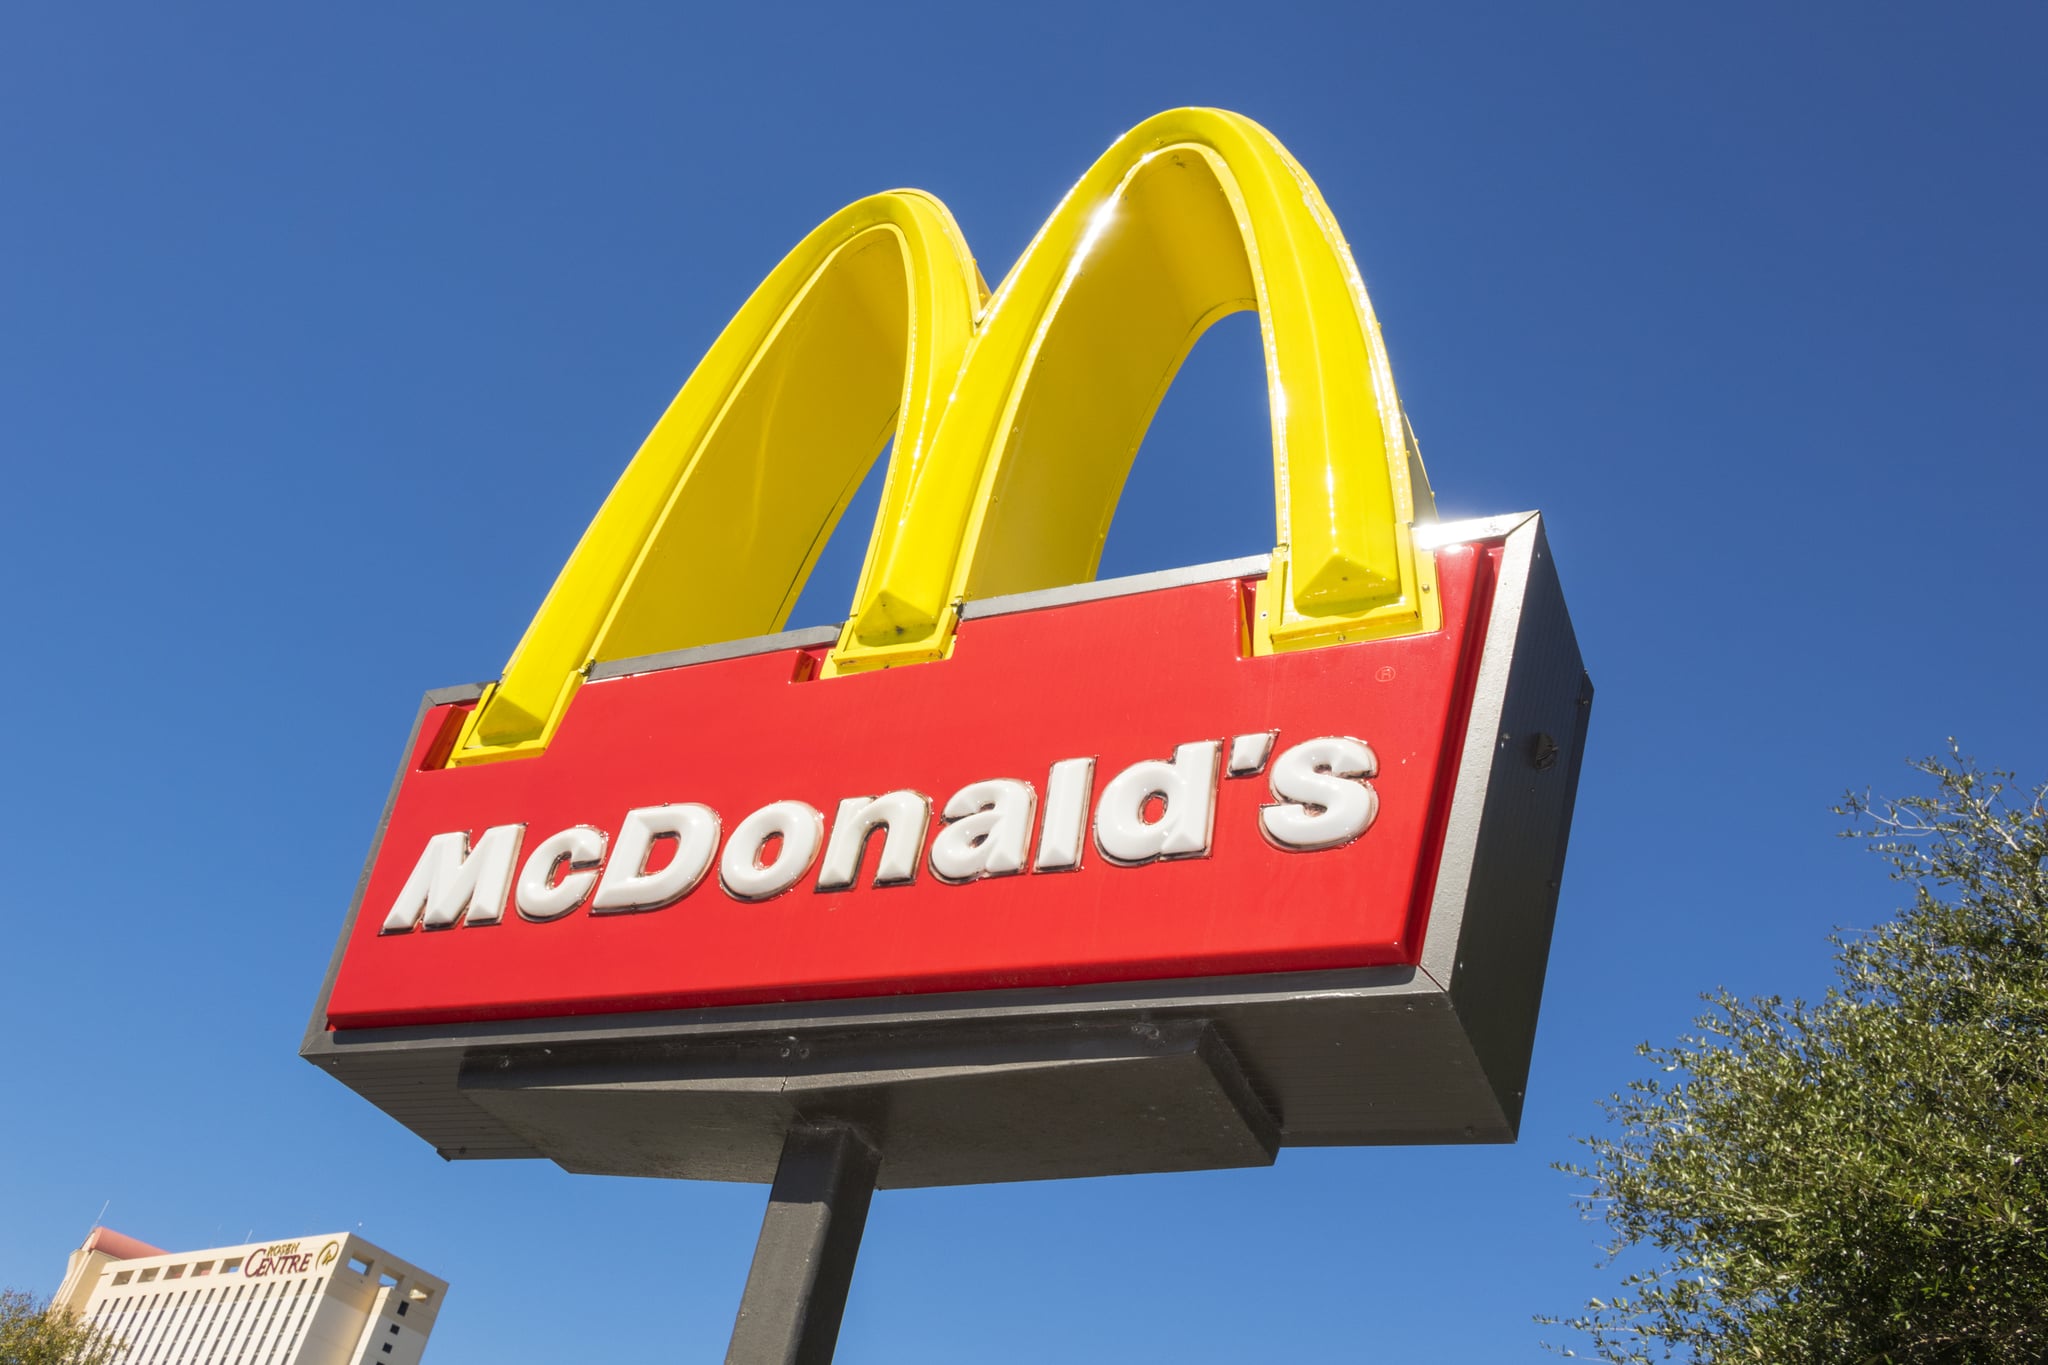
332, 1299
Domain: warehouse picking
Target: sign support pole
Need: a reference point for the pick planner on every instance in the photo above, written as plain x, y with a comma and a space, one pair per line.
803, 1263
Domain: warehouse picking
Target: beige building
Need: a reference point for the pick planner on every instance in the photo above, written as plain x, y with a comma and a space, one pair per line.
332, 1299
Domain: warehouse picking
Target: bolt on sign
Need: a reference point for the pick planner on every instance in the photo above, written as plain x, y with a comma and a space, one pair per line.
1016, 873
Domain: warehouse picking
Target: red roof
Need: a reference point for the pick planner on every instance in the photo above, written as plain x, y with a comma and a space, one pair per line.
119, 1245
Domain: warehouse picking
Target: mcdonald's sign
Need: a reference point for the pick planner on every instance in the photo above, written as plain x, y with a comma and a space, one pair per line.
1033, 875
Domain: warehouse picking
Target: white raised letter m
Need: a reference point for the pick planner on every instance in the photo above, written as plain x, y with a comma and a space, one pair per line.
452, 881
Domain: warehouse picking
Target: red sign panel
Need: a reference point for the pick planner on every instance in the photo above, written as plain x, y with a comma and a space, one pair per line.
1107, 790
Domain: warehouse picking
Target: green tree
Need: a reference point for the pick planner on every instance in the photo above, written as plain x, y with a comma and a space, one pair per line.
1863, 1179
30, 1334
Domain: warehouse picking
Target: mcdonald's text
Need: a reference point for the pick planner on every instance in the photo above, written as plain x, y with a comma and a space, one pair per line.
1153, 810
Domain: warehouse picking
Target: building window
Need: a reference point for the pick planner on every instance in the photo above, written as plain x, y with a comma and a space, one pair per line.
394, 1326
148, 1275
359, 1265
387, 1348
123, 1276
403, 1304
174, 1272
231, 1265
203, 1268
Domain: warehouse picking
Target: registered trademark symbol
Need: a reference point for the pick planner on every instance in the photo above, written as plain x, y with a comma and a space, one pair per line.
1386, 673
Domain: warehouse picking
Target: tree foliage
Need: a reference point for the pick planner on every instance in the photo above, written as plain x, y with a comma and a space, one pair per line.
1863, 1179
30, 1334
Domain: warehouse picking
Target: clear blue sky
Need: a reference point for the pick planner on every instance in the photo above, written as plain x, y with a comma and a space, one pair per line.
324, 330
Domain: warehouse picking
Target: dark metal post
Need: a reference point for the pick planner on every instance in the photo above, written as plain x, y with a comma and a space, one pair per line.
803, 1263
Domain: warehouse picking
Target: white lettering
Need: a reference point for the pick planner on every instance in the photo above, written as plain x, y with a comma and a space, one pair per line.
1323, 796
453, 882
1185, 793
1066, 815
988, 833
1248, 753
629, 887
904, 815
796, 829
1156, 809
578, 849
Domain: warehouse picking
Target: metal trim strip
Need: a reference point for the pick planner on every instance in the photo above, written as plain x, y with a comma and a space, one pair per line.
810, 637
1434, 535
1044, 598
1475, 761
902, 1010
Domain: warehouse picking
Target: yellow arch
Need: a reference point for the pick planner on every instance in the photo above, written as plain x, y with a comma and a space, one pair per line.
1192, 215
715, 524
1016, 419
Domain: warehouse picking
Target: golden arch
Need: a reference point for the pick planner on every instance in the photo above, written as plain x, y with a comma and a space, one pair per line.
1016, 420
715, 524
